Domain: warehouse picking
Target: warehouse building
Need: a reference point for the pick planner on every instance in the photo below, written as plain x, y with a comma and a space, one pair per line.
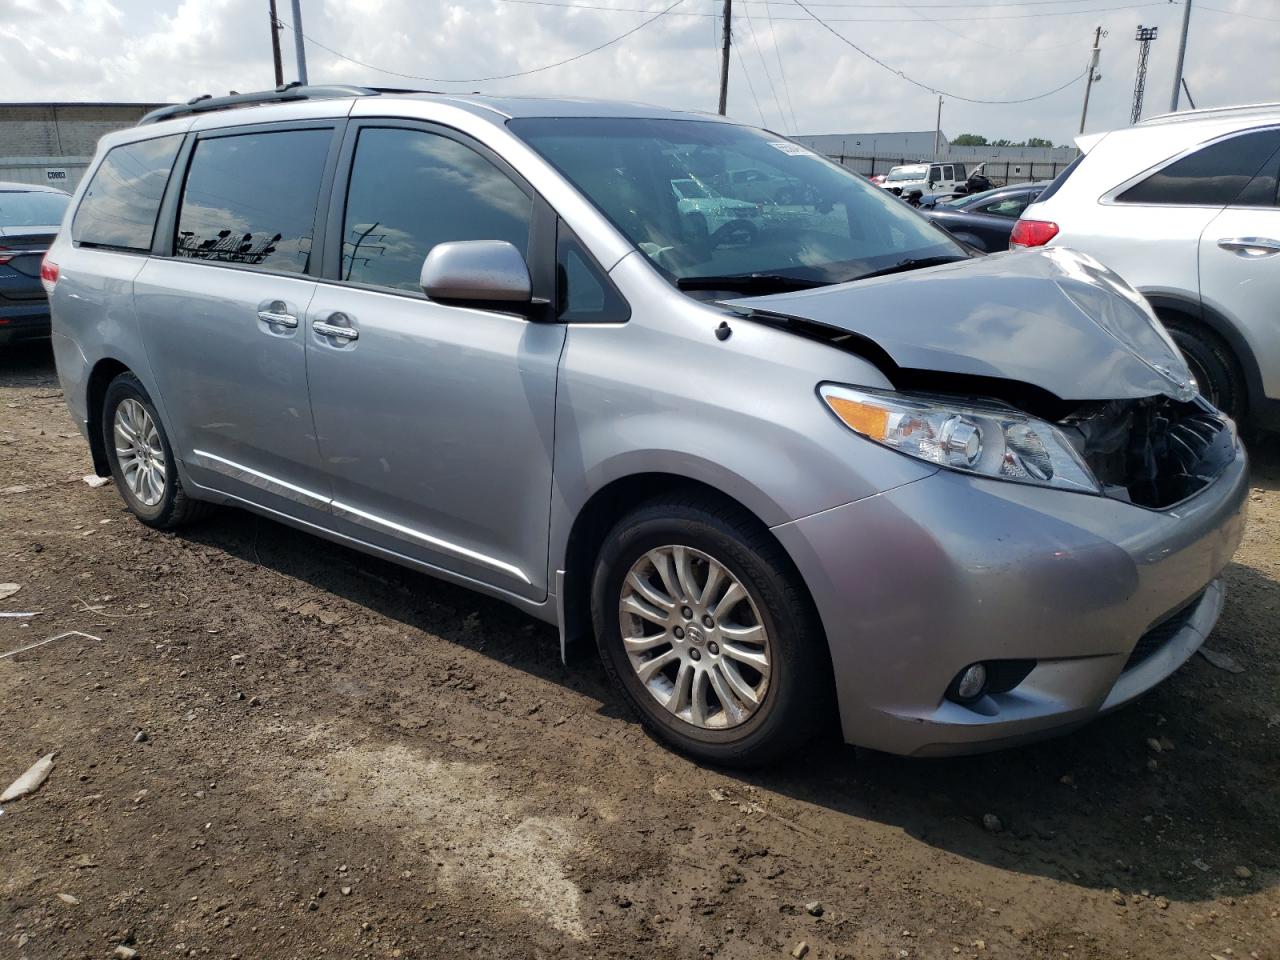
52, 143
872, 153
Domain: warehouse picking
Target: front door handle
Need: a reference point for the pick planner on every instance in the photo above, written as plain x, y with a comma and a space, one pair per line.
337, 331
278, 318
1252, 247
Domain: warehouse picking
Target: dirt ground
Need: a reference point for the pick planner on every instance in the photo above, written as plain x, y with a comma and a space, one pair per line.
272, 747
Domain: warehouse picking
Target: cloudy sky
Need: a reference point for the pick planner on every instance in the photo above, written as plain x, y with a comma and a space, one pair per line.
791, 70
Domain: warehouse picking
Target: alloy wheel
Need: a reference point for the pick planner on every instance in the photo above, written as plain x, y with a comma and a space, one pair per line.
139, 451
694, 636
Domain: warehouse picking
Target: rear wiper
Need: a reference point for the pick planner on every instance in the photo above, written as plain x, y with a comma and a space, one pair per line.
911, 263
749, 282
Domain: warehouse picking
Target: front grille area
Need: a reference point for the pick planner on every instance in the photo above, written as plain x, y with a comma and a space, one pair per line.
1153, 452
1164, 631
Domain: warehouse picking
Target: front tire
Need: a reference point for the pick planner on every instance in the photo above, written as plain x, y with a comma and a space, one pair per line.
1213, 366
704, 626
141, 459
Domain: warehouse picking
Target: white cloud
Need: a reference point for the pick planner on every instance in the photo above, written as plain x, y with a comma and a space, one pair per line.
175, 49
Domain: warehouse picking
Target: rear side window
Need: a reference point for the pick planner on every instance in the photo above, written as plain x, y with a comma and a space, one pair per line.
32, 208
251, 199
411, 190
120, 205
1010, 207
1264, 189
1211, 176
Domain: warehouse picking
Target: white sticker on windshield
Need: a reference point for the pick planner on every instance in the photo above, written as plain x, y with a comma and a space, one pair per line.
790, 149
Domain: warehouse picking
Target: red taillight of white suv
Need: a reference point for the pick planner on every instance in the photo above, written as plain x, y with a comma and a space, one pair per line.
48, 275
1032, 233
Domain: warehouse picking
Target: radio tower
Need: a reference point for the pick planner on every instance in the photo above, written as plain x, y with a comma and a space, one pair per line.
1144, 36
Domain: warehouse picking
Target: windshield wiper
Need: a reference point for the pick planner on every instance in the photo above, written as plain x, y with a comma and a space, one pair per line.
749, 282
911, 263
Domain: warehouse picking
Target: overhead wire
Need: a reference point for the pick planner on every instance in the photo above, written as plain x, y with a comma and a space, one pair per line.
501, 76
782, 72
746, 74
888, 7
922, 85
773, 90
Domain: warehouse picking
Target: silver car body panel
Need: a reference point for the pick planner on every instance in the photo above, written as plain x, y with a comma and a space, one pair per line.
466, 442
1009, 316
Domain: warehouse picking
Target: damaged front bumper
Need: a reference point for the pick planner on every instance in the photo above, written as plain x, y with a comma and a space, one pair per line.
918, 582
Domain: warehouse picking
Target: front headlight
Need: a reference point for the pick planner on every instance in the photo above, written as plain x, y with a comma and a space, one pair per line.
988, 441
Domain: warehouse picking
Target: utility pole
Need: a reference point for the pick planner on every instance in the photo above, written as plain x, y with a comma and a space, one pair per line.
1093, 77
299, 48
724, 55
1144, 36
275, 44
1182, 53
937, 129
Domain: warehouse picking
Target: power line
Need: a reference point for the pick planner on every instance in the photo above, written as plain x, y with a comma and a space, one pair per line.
924, 86
1239, 13
967, 18
504, 76
746, 73
777, 102
986, 43
777, 52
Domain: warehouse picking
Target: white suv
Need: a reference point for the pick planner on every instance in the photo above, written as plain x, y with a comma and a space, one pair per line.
1184, 207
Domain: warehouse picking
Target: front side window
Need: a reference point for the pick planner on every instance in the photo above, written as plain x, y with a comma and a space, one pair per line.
251, 198
411, 190
799, 216
120, 205
1211, 176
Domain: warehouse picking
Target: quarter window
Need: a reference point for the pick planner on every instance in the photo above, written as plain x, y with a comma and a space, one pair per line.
583, 291
120, 205
1212, 176
411, 190
251, 199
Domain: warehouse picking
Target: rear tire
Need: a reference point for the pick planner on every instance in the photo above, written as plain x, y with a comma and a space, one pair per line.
148, 479
795, 695
1213, 366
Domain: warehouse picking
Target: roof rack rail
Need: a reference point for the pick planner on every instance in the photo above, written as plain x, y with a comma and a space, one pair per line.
1207, 113
284, 94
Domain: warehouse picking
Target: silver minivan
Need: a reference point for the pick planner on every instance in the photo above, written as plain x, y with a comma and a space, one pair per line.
808, 462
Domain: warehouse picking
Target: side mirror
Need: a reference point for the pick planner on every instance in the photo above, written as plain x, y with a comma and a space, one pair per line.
483, 270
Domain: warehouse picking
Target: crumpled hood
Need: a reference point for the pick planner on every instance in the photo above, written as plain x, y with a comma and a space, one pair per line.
1051, 317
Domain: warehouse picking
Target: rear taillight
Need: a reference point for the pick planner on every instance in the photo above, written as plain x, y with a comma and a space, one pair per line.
48, 274
6, 255
1032, 233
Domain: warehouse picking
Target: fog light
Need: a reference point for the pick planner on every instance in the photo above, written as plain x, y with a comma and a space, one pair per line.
969, 684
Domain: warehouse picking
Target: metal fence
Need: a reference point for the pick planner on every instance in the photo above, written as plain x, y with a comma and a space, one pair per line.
998, 171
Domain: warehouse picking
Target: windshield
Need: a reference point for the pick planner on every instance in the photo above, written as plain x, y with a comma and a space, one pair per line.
32, 208
907, 173
779, 209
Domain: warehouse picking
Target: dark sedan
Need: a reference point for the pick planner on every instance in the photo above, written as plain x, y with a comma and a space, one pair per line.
984, 220
29, 219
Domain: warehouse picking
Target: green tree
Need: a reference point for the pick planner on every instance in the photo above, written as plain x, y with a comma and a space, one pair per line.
969, 140
1038, 142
